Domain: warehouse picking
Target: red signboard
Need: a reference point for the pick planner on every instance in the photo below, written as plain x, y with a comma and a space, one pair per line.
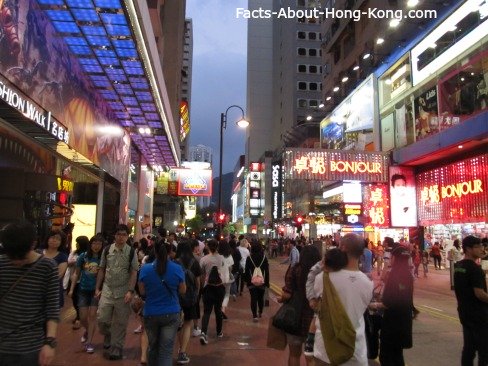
376, 206
455, 193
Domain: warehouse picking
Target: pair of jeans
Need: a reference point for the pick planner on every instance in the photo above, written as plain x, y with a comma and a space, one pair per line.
257, 300
475, 338
161, 333
212, 299
24, 359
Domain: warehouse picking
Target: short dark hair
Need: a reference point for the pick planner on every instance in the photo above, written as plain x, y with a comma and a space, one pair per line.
99, 238
389, 241
213, 245
64, 240
470, 241
18, 239
335, 259
122, 227
396, 177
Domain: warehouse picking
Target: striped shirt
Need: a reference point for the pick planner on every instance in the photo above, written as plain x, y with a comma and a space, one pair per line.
25, 310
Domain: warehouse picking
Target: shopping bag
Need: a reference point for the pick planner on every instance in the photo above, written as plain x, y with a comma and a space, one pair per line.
276, 337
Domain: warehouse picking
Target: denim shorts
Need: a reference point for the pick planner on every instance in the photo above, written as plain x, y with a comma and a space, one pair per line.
86, 299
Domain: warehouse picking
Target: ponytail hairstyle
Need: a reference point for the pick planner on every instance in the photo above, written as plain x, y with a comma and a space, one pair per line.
161, 257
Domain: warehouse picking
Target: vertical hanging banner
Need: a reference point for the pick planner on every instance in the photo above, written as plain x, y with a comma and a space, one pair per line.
403, 206
276, 190
376, 206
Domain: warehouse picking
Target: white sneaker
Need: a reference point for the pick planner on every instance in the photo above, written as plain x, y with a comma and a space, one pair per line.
196, 332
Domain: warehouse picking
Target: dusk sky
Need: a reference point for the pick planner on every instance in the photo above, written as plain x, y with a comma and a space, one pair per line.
219, 76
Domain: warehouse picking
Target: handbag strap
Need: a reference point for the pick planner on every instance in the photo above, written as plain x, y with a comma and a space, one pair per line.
14, 285
163, 282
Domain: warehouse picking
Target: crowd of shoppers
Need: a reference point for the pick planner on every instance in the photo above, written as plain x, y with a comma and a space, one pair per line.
166, 279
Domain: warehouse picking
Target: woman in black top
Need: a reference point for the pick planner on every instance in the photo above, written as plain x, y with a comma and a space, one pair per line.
256, 259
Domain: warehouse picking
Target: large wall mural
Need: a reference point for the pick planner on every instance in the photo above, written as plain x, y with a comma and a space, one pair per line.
38, 62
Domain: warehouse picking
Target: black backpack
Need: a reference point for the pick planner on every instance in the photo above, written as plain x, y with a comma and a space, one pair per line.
190, 297
214, 277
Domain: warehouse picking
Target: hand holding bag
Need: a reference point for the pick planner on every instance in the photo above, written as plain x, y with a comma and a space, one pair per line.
289, 316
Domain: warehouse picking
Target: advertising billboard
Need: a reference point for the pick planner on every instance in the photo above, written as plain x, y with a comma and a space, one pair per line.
194, 182
403, 206
42, 79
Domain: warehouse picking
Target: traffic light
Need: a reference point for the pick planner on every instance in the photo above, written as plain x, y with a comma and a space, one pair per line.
298, 223
299, 220
222, 217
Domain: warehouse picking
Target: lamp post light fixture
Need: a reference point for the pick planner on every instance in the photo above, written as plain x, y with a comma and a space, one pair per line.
242, 123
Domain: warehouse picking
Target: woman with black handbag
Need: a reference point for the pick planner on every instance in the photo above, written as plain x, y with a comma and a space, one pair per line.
396, 330
294, 293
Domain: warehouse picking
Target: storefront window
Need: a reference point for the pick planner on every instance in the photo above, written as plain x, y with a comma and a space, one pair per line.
463, 92
395, 81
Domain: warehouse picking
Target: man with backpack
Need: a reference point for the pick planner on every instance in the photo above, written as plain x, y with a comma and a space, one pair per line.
118, 275
214, 290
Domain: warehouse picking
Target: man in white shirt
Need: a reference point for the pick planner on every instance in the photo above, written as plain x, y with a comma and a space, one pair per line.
355, 291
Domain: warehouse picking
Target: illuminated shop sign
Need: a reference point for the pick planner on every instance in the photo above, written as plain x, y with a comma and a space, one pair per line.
276, 190
402, 197
184, 120
435, 193
332, 165
194, 182
33, 112
65, 185
454, 193
376, 206
352, 213
254, 191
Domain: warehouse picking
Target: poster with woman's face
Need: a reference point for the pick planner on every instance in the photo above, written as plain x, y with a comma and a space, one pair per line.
403, 199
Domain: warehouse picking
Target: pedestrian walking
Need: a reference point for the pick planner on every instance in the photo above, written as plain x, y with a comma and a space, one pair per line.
257, 277
87, 266
55, 248
472, 298
397, 302
244, 251
82, 244
29, 300
117, 274
193, 272
354, 290
425, 262
160, 282
295, 281
227, 277
213, 291
435, 253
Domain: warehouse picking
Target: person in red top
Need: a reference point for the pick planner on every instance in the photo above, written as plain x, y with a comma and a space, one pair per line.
436, 254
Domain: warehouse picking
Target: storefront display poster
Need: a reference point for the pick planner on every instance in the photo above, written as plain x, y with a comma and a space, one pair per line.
403, 205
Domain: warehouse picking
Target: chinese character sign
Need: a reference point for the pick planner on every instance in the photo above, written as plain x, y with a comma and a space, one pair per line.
454, 193
403, 204
376, 206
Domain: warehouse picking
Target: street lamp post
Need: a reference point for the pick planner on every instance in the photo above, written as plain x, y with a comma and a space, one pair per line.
243, 123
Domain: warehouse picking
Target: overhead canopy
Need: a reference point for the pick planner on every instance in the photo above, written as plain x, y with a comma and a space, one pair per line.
99, 34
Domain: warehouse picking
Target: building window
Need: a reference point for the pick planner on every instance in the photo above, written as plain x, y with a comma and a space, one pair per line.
302, 103
302, 85
302, 68
313, 103
301, 35
312, 86
300, 2
312, 35
302, 51
312, 69
312, 52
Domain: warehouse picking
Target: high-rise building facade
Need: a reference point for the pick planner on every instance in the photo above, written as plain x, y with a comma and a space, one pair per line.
186, 79
201, 153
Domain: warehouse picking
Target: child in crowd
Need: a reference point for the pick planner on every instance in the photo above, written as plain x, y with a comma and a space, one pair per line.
334, 260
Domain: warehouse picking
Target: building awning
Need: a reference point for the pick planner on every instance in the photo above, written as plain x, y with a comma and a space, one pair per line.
102, 36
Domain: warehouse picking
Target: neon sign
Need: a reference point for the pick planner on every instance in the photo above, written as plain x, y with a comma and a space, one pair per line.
65, 185
355, 167
376, 205
35, 114
435, 193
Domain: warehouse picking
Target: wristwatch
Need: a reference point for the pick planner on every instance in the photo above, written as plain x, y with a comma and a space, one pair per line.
51, 342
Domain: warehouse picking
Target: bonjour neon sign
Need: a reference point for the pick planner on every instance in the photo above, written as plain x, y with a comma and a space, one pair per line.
318, 165
435, 193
